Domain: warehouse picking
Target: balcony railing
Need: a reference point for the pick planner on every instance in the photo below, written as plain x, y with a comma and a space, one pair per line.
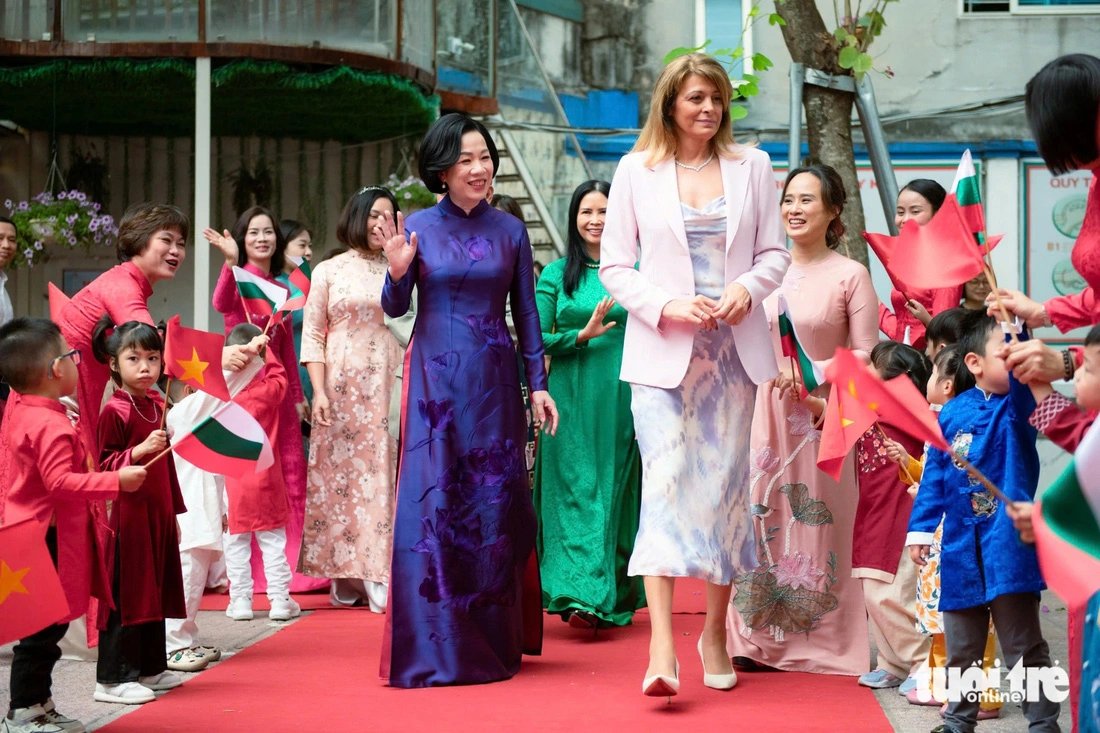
361, 26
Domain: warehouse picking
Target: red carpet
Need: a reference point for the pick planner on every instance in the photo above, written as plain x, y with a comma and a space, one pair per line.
321, 673
308, 601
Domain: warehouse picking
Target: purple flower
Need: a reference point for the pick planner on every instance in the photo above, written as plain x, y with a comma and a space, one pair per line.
490, 329
38, 245
797, 571
72, 240
71, 219
65, 233
28, 253
97, 239
43, 198
80, 196
93, 225
437, 415
8, 204
436, 365
95, 206
23, 206
478, 248
62, 195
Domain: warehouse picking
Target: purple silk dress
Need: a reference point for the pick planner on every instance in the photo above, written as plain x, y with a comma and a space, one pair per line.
464, 532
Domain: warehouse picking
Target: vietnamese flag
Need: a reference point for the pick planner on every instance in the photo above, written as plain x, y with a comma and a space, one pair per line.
58, 300
846, 419
31, 596
299, 285
261, 296
897, 402
939, 254
228, 443
195, 358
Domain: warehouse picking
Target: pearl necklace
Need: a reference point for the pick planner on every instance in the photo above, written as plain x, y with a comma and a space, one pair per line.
151, 422
696, 168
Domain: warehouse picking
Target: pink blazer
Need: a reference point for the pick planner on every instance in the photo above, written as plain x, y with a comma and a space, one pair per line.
645, 225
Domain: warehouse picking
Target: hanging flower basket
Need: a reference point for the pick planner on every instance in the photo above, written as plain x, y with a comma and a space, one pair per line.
411, 193
47, 225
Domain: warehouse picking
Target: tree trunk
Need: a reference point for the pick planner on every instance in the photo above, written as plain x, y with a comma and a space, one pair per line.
828, 112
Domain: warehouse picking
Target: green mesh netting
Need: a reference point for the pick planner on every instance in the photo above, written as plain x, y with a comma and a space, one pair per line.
260, 98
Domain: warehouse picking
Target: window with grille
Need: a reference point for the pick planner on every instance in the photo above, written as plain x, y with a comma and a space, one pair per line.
1029, 7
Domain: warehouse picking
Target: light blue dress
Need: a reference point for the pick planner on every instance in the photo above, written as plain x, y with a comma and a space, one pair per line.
694, 441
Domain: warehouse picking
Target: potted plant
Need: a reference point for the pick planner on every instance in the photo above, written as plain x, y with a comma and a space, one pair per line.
69, 220
411, 193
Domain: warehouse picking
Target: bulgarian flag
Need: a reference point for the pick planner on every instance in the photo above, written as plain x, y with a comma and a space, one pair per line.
261, 296
1067, 526
228, 443
969, 196
812, 376
299, 285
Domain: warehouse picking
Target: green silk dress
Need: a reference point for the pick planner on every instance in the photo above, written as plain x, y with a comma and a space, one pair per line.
587, 487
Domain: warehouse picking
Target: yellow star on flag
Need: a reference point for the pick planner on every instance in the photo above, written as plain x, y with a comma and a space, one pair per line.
852, 391
193, 368
11, 581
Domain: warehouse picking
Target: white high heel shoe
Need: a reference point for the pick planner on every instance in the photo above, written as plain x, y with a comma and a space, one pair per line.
661, 685
716, 681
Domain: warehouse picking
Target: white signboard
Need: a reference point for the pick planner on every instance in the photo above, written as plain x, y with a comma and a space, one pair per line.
1053, 211
875, 219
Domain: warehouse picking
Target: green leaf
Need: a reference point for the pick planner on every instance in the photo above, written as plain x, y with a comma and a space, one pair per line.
863, 63
776, 19
852, 39
864, 21
847, 58
840, 34
738, 52
749, 89
805, 508
750, 77
754, 11
722, 52
737, 112
684, 51
760, 62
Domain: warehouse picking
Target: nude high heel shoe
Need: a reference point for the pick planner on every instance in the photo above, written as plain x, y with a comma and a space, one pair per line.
716, 681
661, 685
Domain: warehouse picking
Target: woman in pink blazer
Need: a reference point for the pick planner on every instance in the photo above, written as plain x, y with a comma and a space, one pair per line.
699, 216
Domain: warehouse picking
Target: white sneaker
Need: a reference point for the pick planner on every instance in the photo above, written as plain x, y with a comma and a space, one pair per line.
28, 720
187, 660
160, 682
284, 609
240, 608
124, 693
64, 722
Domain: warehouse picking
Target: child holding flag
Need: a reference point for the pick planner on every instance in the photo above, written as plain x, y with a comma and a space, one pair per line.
147, 586
258, 502
52, 480
985, 570
247, 292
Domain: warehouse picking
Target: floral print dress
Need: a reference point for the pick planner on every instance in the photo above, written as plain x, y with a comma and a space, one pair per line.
352, 464
800, 609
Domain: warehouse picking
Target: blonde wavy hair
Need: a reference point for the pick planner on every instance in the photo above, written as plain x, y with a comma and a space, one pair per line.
659, 137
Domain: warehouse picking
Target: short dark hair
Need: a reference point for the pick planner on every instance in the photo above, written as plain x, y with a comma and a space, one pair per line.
240, 229
27, 345
109, 340
141, 221
576, 253
352, 230
1092, 338
1062, 103
242, 334
930, 190
509, 205
944, 326
833, 196
442, 146
951, 364
6, 220
974, 332
291, 229
892, 359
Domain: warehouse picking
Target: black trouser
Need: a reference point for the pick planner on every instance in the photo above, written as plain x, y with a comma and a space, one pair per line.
1016, 618
129, 652
33, 658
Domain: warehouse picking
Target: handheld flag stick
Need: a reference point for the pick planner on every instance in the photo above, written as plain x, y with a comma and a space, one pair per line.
973, 471
991, 278
157, 457
164, 415
882, 434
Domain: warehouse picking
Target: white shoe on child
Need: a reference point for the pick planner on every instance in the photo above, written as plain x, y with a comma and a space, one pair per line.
64, 722
28, 720
284, 609
160, 682
124, 693
240, 608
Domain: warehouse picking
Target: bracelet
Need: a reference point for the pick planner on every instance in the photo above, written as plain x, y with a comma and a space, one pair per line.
1069, 363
